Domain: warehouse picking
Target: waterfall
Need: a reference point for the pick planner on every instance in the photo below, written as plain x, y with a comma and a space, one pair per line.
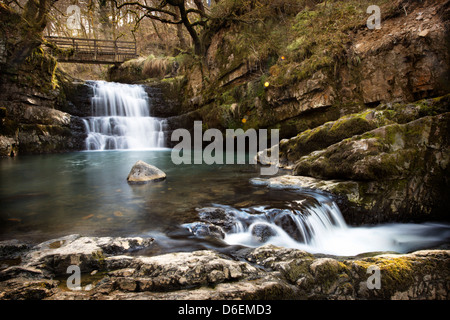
315, 224
120, 119
303, 223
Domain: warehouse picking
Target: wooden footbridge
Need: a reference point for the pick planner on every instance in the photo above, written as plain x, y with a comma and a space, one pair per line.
95, 51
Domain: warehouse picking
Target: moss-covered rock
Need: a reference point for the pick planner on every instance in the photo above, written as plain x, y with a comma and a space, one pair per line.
267, 272
323, 136
390, 152
418, 275
401, 170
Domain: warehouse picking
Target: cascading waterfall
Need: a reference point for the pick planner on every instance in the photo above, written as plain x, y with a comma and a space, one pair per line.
316, 225
121, 119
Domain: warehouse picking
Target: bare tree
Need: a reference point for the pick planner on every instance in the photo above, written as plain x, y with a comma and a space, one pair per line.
163, 11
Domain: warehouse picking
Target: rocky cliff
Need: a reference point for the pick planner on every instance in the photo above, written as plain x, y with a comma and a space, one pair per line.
34, 98
276, 74
367, 108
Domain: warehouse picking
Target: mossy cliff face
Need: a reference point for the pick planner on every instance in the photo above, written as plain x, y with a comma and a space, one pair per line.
409, 276
329, 79
318, 65
31, 96
383, 164
31, 121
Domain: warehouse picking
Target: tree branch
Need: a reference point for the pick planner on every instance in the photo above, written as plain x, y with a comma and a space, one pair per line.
152, 16
143, 6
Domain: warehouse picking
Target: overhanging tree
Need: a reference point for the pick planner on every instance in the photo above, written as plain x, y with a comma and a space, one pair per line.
177, 12
31, 19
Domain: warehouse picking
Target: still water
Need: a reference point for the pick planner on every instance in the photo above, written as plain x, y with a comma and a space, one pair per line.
47, 196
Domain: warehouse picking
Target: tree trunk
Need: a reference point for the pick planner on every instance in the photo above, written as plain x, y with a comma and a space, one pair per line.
198, 47
30, 32
180, 34
105, 23
199, 4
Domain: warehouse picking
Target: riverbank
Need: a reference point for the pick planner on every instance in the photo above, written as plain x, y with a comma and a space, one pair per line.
112, 268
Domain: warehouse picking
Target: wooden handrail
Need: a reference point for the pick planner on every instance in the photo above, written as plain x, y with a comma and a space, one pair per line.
86, 39
95, 50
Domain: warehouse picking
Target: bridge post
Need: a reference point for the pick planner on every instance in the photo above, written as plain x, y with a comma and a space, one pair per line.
75, 47
116, 58
95, 49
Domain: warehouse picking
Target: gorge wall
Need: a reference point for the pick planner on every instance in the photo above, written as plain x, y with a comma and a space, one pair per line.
365, 109
35, 95
365, 112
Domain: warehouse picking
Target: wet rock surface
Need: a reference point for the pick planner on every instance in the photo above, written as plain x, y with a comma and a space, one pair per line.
110, 271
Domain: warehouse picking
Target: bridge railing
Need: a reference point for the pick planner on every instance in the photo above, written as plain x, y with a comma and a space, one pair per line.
94, 50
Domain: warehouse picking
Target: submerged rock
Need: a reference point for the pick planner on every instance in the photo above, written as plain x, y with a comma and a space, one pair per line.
218, 217
143, 172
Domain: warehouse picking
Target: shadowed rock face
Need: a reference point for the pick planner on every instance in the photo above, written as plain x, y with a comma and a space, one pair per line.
143, 172
267, 272
38, 113
31, 123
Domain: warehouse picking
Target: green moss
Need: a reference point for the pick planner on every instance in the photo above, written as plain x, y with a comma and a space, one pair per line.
396, 273
297, 269
330, 272
100, 257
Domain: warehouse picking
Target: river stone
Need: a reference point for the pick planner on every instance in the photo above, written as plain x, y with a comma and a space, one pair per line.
89, 253
143, 172
202, 230
218, 216
261, 232
12, 249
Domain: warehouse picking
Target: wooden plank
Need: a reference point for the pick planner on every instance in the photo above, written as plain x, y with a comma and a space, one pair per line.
96, 50
84, 39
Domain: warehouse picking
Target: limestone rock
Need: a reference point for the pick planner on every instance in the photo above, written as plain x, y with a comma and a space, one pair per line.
88, 253
267, 272
396, 172
12, 249
184, 269
393, 151
323, 136
143, 172
406, 276
218, 217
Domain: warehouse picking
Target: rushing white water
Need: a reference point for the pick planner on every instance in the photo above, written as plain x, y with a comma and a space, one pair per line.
319, 227
121, 119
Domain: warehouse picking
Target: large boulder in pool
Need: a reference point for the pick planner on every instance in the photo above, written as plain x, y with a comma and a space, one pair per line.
143, 172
